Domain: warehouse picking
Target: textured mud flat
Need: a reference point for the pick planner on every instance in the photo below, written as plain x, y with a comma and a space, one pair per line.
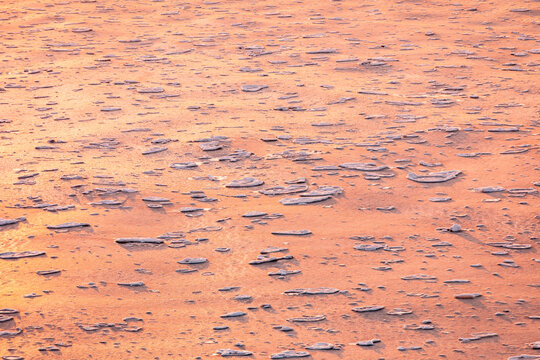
317, 179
